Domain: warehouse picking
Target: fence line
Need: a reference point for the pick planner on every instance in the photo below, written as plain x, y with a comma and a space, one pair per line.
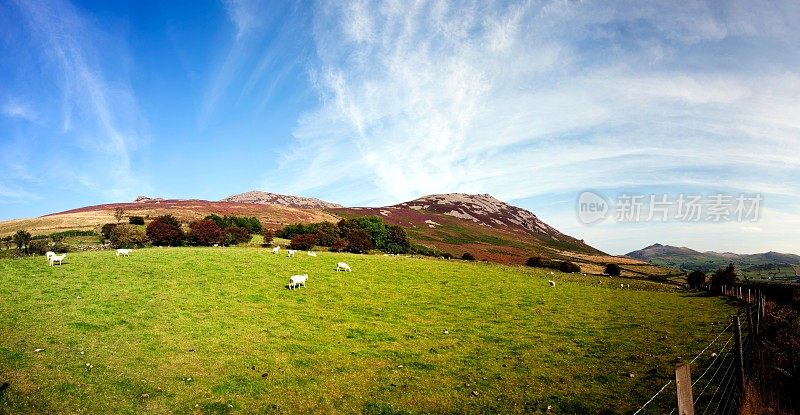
728, 364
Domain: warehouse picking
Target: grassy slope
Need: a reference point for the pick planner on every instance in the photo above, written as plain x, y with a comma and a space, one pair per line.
500, 244
223, 318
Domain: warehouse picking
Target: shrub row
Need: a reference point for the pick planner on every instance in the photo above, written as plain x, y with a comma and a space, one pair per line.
358, 235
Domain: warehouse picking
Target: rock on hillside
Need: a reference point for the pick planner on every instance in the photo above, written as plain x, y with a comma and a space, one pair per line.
266, 198
483, 209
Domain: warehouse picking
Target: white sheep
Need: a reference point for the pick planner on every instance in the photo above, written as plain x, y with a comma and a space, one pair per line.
59, 258
290, 253
49, 254
312, 254
622, 286
276, 249
552, 283
125, 252
296, 280
341, 266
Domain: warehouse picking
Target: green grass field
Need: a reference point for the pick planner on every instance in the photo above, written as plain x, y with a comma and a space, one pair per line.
214, 330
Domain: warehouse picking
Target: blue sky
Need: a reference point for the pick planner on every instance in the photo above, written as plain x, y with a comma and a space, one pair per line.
373, 103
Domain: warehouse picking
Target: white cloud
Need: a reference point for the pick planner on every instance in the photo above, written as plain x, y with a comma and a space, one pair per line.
524, 99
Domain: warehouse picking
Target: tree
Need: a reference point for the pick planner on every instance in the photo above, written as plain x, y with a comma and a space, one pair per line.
303, 241
396, 240
724, 276
696, 279
136, 220
22, 239
358, 242
127, 236
119, 213
205, 233
327, 233
613, 270
165, 231
372, 225
468, 257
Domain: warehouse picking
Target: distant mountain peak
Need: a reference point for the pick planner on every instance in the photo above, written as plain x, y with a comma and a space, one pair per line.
483, 209
267, 198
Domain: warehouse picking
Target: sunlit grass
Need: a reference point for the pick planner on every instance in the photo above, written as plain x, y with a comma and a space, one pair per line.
214, 330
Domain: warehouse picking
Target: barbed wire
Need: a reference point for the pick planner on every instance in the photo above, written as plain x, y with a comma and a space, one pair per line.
654, 396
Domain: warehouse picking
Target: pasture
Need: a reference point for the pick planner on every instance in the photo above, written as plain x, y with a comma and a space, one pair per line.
214, 330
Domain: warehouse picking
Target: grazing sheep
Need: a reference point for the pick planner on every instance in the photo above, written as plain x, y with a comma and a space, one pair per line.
622, 286
296, 280
627, 286
59, 258
125, 252
552, 283
276, 249
312, 254
341, 266
290, 253
49, 254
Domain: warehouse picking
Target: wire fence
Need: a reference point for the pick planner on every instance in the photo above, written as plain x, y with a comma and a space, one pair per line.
717, 370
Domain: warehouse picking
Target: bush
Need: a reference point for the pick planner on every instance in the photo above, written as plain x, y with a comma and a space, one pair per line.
234, 235
165, 231
136, 220
468, 257
289, 231
696, 279
358, 242
37, 247
303, 242
535, 261
127, 236
339, 245
106, 230
71, 234
268, 236
205, 233
613, 270
569, 267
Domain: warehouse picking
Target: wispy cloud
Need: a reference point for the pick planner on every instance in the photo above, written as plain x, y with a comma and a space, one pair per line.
527, 98
99, 114
15, 109
260, 56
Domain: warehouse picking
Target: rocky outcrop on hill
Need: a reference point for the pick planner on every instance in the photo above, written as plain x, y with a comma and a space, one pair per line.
267, 198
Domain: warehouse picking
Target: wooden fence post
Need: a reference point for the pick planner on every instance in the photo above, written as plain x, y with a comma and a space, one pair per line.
683, 383
751, 330
737, 336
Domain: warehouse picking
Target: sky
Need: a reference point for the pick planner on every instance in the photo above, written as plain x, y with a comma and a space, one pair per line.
370, 103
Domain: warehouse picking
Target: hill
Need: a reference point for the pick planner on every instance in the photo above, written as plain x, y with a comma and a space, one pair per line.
456, 223
768, 265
